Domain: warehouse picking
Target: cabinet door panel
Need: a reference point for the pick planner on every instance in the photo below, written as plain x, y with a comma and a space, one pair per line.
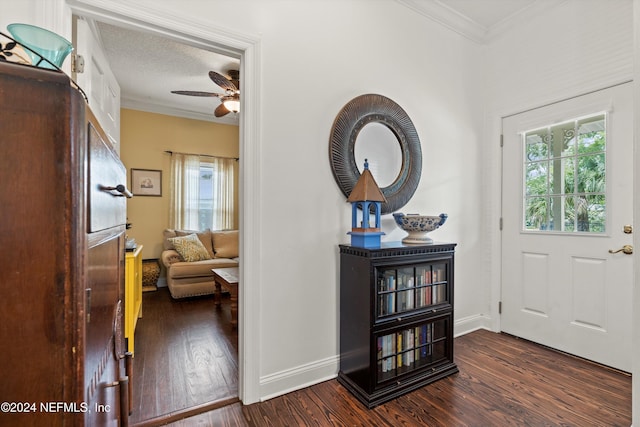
411, 348
401, 290
104, 313
107, 207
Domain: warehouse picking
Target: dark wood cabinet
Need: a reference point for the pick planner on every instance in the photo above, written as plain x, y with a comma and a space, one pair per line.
396, 319
62, 233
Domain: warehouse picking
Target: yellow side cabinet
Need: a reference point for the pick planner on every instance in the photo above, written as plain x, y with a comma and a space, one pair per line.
132, 295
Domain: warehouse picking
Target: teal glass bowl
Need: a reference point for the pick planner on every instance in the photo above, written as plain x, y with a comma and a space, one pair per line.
47, 44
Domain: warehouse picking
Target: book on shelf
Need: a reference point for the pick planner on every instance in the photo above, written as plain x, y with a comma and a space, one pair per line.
391, 297
407, 353
391, 363
402, 298
420, 338
439, 293
426, 296
386, 352
405, 291
387, 295
410, 293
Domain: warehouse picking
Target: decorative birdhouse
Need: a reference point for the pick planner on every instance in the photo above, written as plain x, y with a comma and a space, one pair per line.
366, 199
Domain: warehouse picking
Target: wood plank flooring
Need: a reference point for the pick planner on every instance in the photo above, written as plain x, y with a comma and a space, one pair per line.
186, 356
503, 381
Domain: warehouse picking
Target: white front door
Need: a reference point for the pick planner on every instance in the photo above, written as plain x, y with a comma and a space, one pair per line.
567, 195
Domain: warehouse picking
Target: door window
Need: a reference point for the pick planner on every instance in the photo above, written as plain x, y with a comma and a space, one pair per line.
565, 176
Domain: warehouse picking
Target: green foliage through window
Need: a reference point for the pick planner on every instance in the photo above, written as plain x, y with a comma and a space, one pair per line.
565, 176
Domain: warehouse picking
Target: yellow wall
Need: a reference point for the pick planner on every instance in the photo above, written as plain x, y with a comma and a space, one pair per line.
144, 138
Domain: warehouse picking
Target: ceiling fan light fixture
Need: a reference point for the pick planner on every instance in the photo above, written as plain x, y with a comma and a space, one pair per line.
232, 104
229, 101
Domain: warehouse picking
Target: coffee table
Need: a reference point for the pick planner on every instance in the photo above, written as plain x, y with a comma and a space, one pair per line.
227, 279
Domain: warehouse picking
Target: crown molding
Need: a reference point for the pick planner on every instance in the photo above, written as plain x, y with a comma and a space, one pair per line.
521, 17
438, 11
149, 107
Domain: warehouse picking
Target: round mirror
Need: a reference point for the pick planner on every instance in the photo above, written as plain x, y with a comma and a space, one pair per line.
379, 145
385, 130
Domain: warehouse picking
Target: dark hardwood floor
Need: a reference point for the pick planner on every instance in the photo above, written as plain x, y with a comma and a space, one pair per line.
186, 356
503, 381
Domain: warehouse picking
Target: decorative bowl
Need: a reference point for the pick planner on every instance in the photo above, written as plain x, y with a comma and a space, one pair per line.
418, 226
45, 43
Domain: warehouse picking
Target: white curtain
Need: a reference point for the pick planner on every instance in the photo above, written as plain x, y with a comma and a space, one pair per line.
223, 193
185, 187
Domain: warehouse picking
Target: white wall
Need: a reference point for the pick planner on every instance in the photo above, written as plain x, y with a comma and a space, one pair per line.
21, 11
572, 48
317, 55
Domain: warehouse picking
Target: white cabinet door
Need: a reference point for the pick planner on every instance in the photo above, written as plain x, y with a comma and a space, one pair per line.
98, 82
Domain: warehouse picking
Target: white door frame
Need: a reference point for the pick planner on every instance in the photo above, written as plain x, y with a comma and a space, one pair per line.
247, 48
635, 402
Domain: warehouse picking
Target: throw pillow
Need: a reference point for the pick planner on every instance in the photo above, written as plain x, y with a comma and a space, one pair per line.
190, 248
204, 236
225, 243
168, 234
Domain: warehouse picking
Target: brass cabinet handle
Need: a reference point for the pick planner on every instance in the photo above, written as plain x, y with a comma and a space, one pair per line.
626, 249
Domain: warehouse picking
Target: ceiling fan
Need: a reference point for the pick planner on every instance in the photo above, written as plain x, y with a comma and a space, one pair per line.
229, 100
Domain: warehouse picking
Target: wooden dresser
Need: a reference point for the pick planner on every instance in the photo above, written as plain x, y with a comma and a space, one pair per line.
63, 212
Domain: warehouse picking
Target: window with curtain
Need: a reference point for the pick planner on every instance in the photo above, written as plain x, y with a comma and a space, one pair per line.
202, 191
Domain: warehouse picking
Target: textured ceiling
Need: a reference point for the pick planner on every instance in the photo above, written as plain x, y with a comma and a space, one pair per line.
149, 67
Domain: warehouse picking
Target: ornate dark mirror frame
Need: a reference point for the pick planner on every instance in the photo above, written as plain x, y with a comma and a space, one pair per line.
356, 114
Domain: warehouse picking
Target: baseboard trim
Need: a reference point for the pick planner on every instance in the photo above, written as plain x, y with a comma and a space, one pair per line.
188, 412
312, 373
471, 323
299, 377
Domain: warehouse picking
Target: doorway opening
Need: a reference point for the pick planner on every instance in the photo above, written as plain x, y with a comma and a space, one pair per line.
246, 47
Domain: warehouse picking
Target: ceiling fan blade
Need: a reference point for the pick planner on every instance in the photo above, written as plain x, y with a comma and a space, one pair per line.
220, 111
222, 81
196, 93
235, 78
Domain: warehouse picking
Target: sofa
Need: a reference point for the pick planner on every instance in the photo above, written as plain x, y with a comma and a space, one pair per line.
189, 256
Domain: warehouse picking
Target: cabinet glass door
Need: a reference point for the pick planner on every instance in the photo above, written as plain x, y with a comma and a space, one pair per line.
408, 288
411, 348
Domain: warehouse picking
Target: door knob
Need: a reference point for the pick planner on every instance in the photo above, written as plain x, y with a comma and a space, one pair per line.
626, 249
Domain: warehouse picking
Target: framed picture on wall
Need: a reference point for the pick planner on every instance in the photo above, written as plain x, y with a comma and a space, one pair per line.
146, 182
